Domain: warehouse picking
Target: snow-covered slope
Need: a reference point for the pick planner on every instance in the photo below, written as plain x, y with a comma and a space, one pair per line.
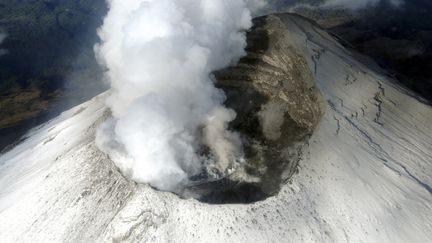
366, 177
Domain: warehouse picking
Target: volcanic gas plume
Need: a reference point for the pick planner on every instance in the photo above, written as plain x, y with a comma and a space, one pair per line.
159, 56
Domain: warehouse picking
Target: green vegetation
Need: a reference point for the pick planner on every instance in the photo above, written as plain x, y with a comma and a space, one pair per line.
50, 49
48, 34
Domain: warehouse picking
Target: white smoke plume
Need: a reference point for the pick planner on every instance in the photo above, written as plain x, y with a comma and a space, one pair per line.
160, 55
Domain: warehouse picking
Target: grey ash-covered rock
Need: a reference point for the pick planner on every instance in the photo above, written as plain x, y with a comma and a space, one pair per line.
278, 106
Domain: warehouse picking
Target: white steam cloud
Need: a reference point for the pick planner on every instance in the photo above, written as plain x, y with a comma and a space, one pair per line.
160, 55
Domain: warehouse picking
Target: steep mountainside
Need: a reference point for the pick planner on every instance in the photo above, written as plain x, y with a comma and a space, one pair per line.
401, 42
365, 175
48, 56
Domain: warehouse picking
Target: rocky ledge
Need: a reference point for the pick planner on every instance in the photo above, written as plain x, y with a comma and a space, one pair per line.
278, 106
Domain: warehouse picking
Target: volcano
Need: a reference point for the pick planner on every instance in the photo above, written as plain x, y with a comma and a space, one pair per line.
338, 151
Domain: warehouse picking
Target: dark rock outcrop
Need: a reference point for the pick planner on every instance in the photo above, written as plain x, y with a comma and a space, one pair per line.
278, 106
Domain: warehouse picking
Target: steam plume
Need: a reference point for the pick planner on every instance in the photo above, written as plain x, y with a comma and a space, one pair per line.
160, 55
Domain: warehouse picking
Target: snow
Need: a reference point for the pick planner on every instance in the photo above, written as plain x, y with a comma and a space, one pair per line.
31, 160
366, 177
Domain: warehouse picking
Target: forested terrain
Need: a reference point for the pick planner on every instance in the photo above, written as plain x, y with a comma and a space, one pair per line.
49, 56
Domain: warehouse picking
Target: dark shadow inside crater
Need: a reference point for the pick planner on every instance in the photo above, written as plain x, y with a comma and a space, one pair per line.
228, 191
278, 106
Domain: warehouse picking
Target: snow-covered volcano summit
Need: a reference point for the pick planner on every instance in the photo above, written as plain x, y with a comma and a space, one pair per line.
366, 175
